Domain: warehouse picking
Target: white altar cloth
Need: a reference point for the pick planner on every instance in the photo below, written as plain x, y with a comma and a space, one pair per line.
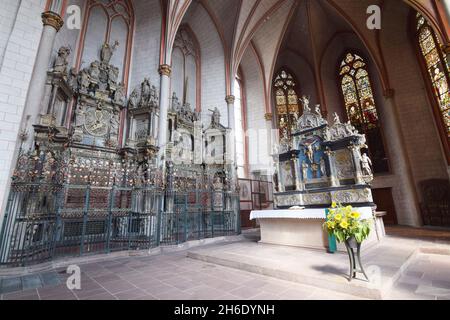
366, 213
301, 228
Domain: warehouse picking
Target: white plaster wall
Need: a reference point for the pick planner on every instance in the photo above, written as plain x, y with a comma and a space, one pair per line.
213, 86
15, 73
147, 34
8, 15
258, 137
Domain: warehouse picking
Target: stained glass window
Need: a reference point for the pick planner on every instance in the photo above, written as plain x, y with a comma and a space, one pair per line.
437, 67
360, 107
286, 100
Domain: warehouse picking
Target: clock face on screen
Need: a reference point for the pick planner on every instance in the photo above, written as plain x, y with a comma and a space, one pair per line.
97, 122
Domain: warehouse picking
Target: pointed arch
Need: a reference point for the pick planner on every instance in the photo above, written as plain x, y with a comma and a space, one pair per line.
113, 10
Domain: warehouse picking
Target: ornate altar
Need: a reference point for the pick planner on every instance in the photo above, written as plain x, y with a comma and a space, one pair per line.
324, 165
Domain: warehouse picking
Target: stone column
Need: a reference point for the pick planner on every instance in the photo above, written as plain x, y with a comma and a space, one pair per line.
52, 24
279, 178
165, 72
231, 152
271, 136
407, 206
299, 186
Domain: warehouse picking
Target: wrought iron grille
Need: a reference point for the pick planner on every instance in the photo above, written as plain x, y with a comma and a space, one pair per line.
47, 218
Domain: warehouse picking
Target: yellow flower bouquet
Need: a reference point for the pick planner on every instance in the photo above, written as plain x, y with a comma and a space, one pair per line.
345, 223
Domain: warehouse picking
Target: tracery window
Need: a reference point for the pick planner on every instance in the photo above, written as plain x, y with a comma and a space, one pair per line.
108, 21
438, 70
287, 104
360, 107
185, 80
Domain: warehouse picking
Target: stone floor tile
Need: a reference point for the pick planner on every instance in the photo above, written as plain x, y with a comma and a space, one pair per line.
245, 292
117, 286
30, 294
83, 294
10, 285
101, 296
131, 294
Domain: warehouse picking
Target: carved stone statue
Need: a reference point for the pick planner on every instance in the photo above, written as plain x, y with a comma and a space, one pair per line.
83, 80
153, 100
366, 165
94, 71
309, 153
133, 99
145, 92
119, 96
305, 170
336, 118
175, 103
305, 102
349, 129
323, 170
61, 61
317, 110
217, 184
113, 75
215, 117
108, 51
72, 79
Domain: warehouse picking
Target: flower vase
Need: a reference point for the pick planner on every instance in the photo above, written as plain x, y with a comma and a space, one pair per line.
354, 255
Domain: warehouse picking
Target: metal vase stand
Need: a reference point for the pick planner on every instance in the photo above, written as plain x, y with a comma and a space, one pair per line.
355, 259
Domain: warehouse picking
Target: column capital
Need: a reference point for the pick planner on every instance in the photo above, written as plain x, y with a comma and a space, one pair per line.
268, 116
389, 93
50, 18
230, 99
165, 70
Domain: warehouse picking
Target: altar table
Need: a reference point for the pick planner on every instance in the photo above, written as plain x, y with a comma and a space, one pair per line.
302, 227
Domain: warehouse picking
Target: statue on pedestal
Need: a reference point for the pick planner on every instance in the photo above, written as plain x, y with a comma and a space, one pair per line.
133, 100
366, 165
61, 62
305, 102
145, 93
107, 51
305, 170
323, 170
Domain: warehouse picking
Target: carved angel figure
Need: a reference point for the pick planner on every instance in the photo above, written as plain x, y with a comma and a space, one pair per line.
305, 102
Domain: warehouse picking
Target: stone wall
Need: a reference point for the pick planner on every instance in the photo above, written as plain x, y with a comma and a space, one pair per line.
20, 40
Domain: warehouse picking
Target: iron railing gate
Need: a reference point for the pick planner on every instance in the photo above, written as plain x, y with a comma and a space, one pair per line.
43, 222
